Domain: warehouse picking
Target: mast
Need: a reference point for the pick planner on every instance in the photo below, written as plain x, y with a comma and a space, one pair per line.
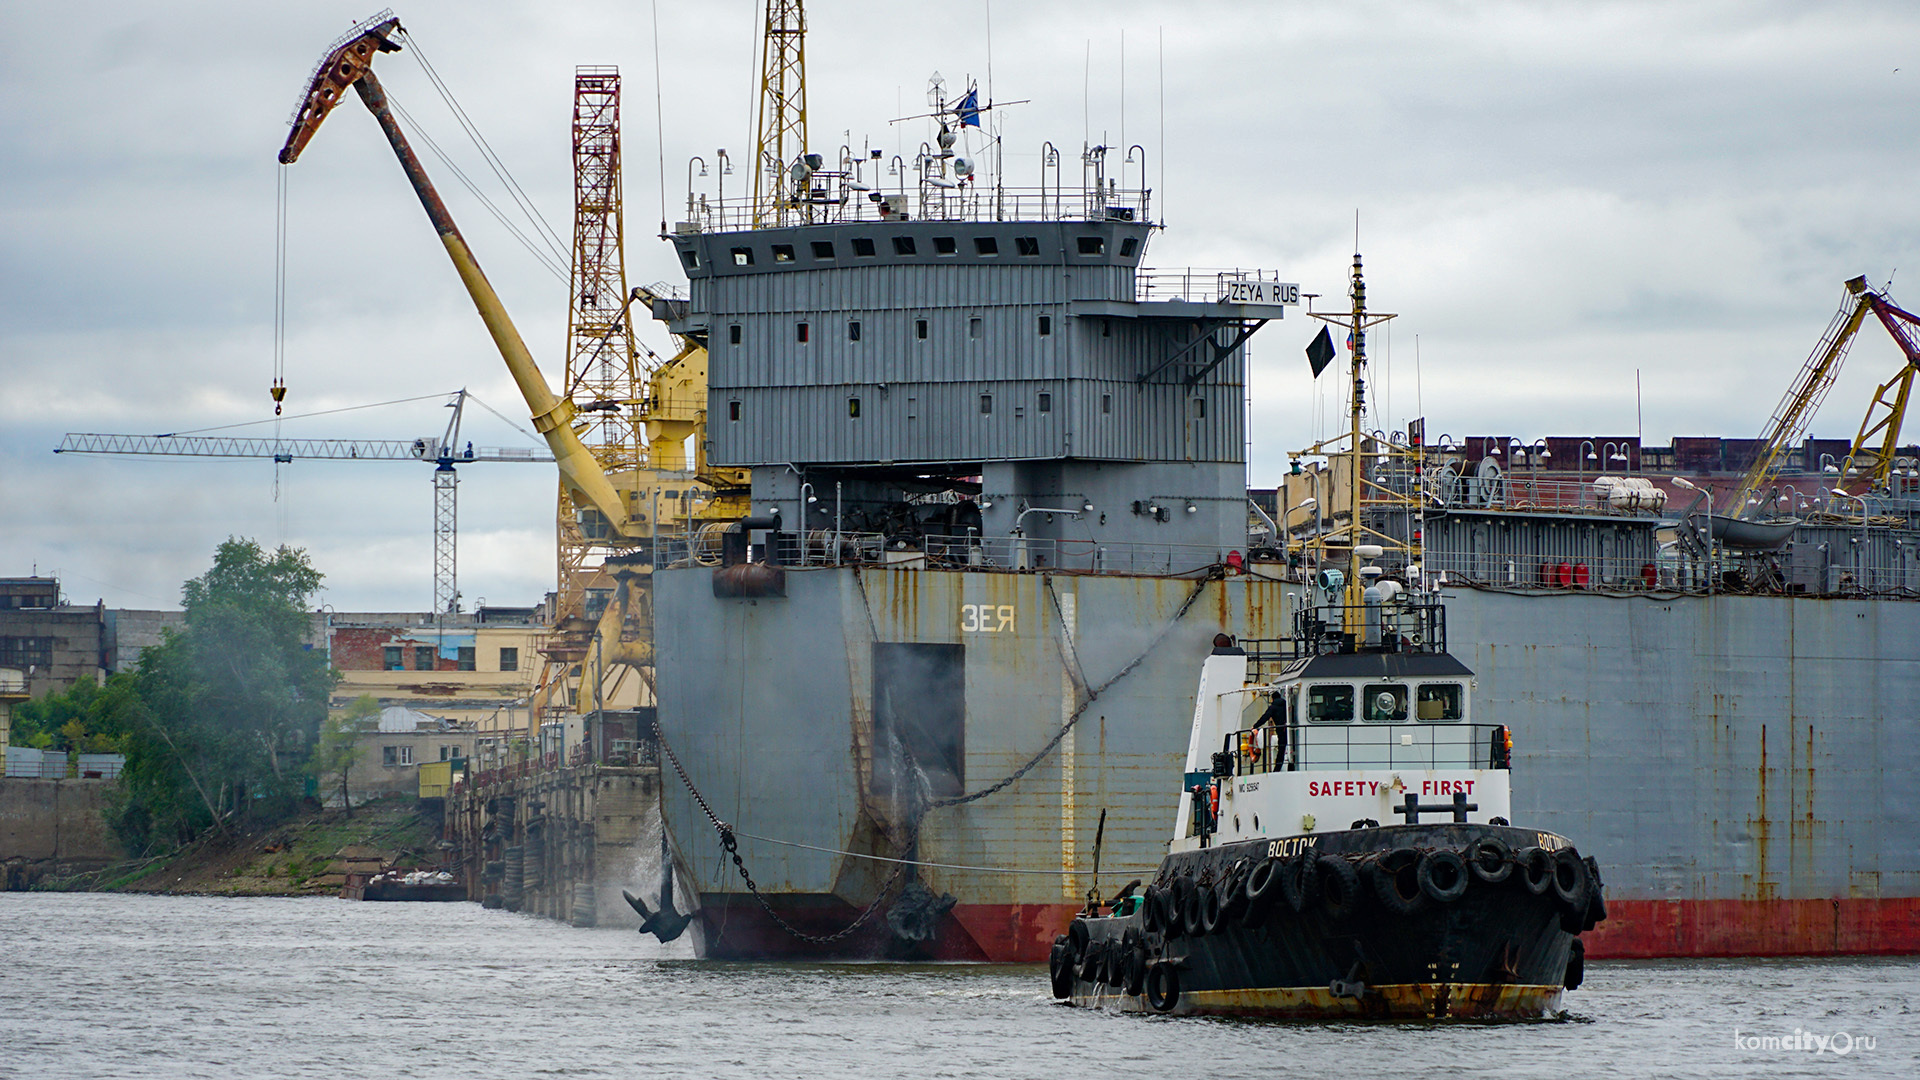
1355, 592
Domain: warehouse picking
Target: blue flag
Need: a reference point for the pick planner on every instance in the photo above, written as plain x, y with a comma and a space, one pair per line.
969, 109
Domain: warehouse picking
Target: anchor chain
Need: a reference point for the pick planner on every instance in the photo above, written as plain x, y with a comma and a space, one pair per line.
731, 844
1093, 695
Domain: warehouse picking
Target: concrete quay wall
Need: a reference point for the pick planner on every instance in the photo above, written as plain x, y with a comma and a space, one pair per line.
53, 826
561, 843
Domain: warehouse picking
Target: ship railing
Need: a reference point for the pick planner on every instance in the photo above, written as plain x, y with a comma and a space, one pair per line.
1195, 284
824, 547
1346, 746
1521, 490
1020, 553
1531, 570
844, 204
1396, 627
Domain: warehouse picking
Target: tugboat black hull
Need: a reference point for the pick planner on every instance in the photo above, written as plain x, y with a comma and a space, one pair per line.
1401, 922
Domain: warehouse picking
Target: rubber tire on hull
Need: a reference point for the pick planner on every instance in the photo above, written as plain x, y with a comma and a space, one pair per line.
1136, 970
1077, 938
1213, 911
1536, 869
1150, 911
1060, 968
1442, 876
1300, 882
1339, 890
1179, 895
1572, 888
1490, 859
1195, 912
1163, 988
1233, 889
1263, 892
1093, 963
1389, 873
1576, 965
1596, 897
1570, 880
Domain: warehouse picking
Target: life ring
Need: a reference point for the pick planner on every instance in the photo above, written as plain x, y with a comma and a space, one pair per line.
1212, 915
1396, 882
1163, 987
1339, 890
1536, 869
1213, 800
1570, 883
1263, 890
1060, 968
1442, 875
1490, 859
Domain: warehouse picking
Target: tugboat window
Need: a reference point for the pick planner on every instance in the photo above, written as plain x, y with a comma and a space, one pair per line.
1386, 703
1027, 245
986, 404
863, 247
1046, 325
823, 249
733, 410
1093, 245
1440, 702
733, 333
986, 246
920, 329
944, 245
783, 253
691, 259
903, 245
743, 256
853, 330
800, 332
1046, 401
1330, 703
1129, 246
853, 408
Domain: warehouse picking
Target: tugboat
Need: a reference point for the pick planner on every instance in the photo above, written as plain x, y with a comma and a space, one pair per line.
1427, 905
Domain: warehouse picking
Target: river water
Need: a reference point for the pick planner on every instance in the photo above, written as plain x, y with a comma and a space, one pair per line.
145, 986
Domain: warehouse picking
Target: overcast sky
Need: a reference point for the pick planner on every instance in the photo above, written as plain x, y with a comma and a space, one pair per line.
1553, 197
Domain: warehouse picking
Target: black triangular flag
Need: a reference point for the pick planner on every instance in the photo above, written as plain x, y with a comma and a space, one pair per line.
1320, 353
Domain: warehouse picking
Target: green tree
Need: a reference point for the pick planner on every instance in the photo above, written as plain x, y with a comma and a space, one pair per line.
230, 707
338, 749
87, 717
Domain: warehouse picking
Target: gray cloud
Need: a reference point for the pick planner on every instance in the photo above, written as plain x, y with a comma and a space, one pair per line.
1551, 196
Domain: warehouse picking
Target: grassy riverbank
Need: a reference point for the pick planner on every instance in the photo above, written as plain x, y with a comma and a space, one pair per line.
305, 856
